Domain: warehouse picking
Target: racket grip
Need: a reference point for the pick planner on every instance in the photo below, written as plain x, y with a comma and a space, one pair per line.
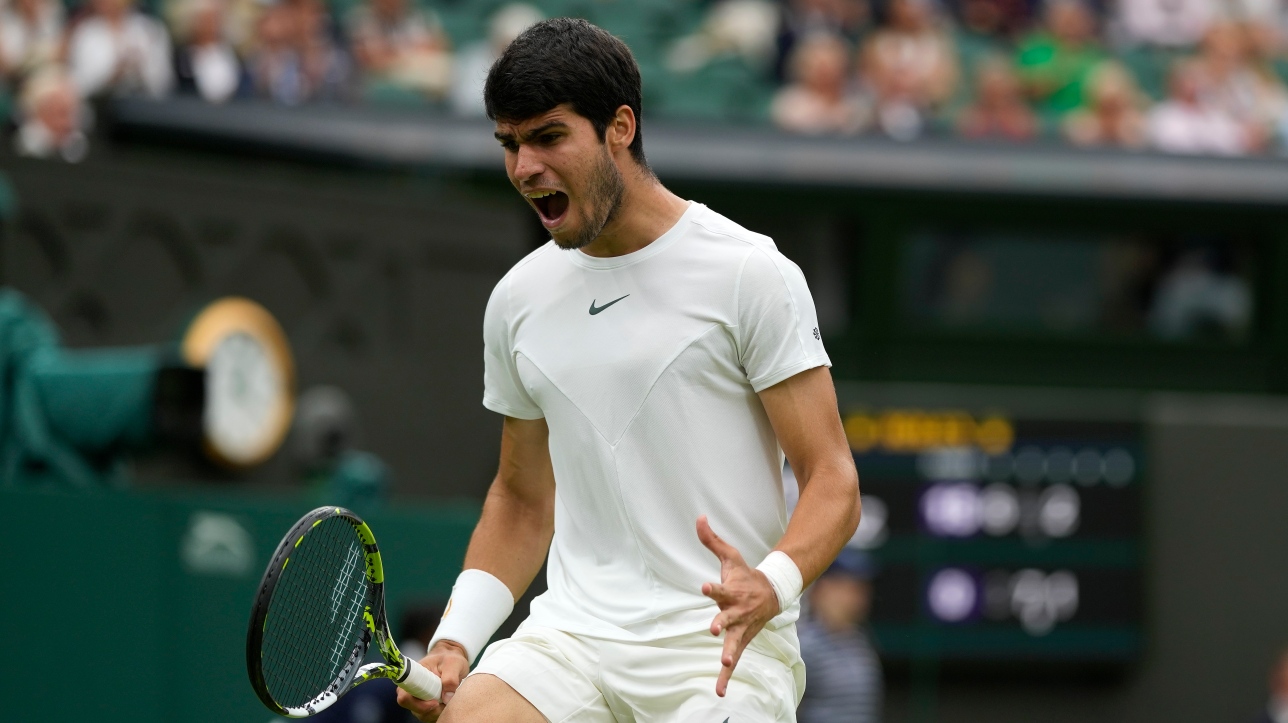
420, 682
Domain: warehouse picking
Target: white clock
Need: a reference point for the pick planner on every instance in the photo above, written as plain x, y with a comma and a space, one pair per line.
250, 380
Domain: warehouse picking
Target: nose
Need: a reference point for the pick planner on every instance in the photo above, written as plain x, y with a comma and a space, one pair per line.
526, 164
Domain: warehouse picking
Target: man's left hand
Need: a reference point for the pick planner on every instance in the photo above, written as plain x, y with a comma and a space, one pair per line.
747, 601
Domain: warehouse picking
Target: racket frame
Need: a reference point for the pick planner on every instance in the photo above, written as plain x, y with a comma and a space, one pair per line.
397, 667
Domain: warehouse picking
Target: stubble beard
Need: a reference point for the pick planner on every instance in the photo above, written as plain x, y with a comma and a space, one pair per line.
606, 189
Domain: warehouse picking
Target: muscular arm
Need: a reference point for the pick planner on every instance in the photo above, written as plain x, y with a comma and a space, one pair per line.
513, 534
804, 414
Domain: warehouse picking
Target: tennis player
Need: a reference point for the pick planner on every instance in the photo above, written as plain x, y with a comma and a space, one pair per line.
654, 361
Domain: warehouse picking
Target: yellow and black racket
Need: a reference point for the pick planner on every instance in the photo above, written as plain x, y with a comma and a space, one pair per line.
319, 606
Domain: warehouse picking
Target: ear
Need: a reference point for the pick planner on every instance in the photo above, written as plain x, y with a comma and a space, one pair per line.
621, 129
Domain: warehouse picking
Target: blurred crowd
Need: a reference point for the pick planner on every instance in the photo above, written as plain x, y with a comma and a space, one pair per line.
1184, 76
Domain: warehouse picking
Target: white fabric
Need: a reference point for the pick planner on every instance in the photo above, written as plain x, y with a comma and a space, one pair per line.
784, 576
1168, 22
1179, 128
139, 46
653, 414
25, 46
215, 71
577, 679
479, 604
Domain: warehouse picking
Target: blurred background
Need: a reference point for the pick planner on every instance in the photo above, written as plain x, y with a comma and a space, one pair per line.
245, 247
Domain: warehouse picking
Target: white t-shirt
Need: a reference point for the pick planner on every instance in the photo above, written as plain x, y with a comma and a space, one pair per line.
646, 368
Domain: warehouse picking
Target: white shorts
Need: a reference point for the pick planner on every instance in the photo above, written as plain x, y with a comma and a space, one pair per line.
577, 679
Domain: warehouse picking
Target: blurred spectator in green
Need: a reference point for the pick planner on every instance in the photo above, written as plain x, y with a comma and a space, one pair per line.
475, 60
910, 65
52, 115
295, 57
1185, 124
1111, 114
820, 98
1236, 83
31, 35
846, 683
1277, 708
849, 19
999, 110
1056, 60
1167, 23
206, 64
400, 48
118, 50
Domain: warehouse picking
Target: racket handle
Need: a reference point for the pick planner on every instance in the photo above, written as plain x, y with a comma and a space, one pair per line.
420, 682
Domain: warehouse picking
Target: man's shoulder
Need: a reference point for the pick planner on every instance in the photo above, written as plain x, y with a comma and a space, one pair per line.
722, 232
535, 265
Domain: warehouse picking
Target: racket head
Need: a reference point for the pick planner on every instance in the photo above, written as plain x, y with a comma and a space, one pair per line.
318, 608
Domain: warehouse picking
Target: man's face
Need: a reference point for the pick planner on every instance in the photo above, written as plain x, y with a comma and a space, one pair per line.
565, 172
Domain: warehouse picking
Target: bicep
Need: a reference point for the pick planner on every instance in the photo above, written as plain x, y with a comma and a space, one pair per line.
805, 418
525, 471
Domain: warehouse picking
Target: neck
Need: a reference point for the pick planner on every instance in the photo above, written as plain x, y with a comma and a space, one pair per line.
647, 211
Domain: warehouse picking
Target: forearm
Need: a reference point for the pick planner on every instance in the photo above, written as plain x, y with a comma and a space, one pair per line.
512, 537
825, 518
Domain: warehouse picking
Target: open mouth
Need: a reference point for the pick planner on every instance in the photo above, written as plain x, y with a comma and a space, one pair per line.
552, 206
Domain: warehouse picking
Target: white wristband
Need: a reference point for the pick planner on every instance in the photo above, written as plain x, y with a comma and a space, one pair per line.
784, 576
478, 606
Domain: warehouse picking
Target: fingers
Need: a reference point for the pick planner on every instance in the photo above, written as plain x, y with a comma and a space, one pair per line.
426, 711
722, 550
729, 657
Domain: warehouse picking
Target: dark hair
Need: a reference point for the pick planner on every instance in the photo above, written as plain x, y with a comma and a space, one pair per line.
566, 60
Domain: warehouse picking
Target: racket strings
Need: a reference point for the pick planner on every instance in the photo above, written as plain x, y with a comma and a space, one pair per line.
315, 622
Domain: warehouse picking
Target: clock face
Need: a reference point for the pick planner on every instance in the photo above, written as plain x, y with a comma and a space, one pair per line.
250, 380
244, 390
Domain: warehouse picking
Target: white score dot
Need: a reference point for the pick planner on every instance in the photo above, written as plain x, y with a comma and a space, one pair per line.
951, 595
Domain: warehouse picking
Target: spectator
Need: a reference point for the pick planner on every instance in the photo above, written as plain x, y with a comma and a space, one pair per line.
819, 99
849, 19
744, 29
1111, 116
1277, 708
1185, 124
999, 110
52, 118
1167, 23
295, 58
119, 50
845, 684
1054, 62
474, 61
1235, 84
911, 67
400, 47
205, 62
31, 33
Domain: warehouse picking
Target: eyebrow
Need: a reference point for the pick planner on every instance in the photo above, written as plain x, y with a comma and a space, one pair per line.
504, 137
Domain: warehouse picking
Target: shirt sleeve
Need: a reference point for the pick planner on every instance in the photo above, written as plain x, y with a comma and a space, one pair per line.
778, 334
503, 390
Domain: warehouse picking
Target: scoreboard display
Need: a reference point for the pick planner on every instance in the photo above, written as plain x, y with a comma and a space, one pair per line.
1001, 539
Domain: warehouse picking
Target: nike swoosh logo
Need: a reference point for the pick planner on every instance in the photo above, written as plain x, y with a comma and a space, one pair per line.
596, 309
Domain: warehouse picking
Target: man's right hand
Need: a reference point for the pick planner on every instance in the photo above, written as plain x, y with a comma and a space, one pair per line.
446, 660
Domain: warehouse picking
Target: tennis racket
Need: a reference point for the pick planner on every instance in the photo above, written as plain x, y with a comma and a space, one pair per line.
320, 604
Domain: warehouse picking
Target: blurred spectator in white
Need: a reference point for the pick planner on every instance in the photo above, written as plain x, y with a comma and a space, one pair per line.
31, 34
399, 47
1112, 114
998, 110
205, 62
295, 58
747, 29
475, 60
820, 98
910, 65
118, 50
1055, 60
1185, 124
1200, 297
1277, 707
846, 682
1235, 84
1167, 23
52, 118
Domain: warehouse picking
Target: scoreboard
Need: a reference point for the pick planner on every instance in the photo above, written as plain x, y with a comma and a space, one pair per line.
1001, 539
